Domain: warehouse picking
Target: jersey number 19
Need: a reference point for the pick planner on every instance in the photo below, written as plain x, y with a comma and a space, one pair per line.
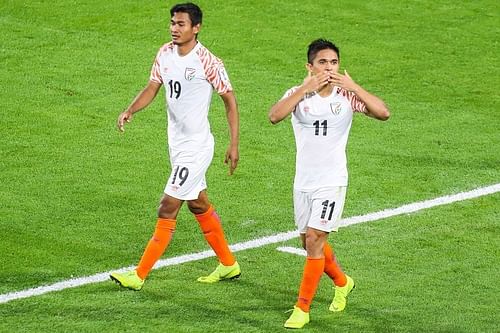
175, 88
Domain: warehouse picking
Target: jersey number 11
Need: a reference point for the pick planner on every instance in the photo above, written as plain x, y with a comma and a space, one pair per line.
316, 127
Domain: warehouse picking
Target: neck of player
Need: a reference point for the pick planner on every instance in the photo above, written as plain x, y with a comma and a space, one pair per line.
185, 48
326, 90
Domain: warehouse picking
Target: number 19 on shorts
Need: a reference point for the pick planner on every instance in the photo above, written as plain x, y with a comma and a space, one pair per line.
180, 175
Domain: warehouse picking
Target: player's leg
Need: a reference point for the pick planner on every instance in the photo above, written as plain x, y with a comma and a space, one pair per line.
165, 227
213, 232
313, 269
333, 200
303, 208
342, 283
332, 268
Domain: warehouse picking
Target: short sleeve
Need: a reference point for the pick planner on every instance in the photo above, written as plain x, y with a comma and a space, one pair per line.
289, 93
218, 78
155, 70
356, 104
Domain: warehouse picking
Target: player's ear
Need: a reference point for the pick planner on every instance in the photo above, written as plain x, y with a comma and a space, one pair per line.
309, 67
196, 28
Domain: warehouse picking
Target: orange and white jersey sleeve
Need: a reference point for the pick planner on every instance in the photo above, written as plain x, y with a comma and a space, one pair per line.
155, 69
215, 71
289, 93
357, 105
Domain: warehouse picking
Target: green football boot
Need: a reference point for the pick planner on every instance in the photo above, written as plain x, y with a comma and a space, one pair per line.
222, 273
128, 280
339, 299
297, 319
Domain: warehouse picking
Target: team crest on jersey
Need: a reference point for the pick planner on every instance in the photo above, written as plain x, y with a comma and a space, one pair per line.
335, 107
189, 73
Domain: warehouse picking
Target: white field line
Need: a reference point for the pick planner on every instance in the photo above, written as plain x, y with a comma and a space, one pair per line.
410, 208
292, 250
277, 238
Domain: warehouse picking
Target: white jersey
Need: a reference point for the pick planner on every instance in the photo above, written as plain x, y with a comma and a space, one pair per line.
321, 126
189, 81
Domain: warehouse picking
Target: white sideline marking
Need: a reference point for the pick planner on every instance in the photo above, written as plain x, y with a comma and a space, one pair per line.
410, 208
280, 237
292, 250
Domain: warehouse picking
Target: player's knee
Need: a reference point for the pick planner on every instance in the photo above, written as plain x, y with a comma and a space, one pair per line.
311, 240
314, 241
198, 207
168, 209
165, 212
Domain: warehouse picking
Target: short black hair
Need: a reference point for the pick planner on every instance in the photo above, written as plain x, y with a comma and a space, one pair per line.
194, 12
318, 45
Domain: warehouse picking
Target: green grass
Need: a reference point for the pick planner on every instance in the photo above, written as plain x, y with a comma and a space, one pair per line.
413, 273
77, 197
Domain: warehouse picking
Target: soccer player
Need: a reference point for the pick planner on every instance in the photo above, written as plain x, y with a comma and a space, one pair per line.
190, 73
322, 109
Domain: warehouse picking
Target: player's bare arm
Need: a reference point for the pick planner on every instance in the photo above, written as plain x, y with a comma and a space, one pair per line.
142, 100
375, 107
313, 82
233, 120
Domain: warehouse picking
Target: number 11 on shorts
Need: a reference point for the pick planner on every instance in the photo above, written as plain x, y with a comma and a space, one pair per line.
325, 209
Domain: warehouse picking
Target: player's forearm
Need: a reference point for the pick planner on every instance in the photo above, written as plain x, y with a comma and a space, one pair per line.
233, 117
375, 106
144, 98
284, 107
233, 121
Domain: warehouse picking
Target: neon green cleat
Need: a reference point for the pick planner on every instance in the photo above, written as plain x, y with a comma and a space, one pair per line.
128, 280
222, 273
339, 299
297, 319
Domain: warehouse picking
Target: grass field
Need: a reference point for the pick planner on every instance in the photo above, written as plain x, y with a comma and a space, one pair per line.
78, 198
